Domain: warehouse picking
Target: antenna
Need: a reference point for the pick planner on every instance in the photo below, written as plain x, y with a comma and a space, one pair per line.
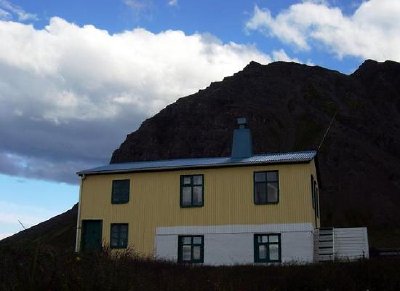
327, 130
23, 226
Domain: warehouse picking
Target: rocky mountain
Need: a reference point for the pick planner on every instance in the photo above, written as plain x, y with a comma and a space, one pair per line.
289, 107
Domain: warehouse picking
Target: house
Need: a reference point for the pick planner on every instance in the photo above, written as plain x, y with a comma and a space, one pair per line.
241, 209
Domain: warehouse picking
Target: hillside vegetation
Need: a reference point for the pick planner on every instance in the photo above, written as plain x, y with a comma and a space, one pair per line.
43, 268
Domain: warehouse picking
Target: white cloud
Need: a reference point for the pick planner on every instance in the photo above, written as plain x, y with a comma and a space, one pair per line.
281, 55
4, 15
370, 32
7, 9
70, 94
136, 4
173, 2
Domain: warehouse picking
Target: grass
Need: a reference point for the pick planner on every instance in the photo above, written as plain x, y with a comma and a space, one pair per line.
45, 268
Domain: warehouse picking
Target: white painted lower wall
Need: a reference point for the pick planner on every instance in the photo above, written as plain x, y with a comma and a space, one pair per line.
234, 244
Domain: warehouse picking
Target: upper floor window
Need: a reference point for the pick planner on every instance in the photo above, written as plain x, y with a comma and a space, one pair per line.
191, 249
315, 196
267, 248
119, 235
266, 187
192, 190
120, 191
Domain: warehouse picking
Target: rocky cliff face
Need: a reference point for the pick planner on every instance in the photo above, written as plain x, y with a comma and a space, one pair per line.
289, 107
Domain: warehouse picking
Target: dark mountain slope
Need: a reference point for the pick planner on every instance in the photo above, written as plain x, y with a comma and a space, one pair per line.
289, 106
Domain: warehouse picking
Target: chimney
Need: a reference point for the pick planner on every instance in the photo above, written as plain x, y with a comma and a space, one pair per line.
242, 146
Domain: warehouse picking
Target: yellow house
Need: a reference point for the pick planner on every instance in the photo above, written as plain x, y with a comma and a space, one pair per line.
228, 210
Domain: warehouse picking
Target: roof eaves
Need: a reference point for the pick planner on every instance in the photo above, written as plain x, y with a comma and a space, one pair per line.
229, 163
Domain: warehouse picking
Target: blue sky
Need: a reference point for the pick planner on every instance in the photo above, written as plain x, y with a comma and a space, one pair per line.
77, 76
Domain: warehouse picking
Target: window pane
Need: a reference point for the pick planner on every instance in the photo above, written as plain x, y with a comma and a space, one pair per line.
123, 237
120, 191
197, 240
114, 231
197, 195
272, 176
274, 238
114, 236
262, 252
187, 180
186, 253
274, 252
119, 235
187, 240
264, 239
186, 195
259, 177
273, 192
198, 180
260, 193
114, 242
196, 252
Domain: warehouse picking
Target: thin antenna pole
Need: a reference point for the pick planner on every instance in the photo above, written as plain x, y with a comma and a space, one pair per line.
327, 130
23, 226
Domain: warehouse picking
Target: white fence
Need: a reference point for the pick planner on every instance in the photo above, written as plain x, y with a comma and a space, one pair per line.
342, 244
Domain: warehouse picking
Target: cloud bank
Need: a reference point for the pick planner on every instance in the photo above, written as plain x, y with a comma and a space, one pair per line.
70, 94
372, 31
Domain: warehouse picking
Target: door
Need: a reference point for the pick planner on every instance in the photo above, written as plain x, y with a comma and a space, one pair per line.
91, 235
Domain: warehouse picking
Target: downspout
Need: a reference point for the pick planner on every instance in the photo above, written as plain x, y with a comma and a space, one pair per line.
78, 221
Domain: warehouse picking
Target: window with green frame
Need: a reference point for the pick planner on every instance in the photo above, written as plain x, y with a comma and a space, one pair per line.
266, 187
316, 191
191, 249
119, 235
315, 195
267, 248
192, 191
120, 191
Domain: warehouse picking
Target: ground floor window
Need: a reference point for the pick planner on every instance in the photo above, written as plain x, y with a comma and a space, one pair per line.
119, 235
267, 248
191, 249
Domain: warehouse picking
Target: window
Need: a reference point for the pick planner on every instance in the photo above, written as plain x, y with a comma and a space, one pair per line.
312, 192
267, 248
119, 235
315, 196
266, 187
120, 191
192, 190
191, 249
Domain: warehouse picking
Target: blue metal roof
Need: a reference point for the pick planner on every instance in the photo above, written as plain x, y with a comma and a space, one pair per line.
271, 158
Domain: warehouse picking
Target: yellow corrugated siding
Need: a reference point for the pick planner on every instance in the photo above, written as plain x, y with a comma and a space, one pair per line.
228, 199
